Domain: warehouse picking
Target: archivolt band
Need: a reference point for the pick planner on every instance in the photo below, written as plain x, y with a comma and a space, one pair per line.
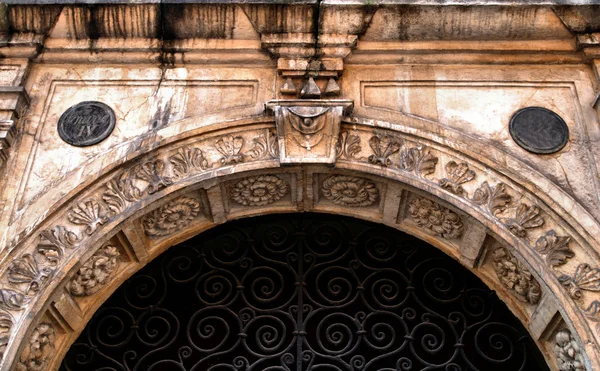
303, 292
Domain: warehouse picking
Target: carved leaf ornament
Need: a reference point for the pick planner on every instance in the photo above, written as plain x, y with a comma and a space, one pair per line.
95, 272
585, 278
348, 145
169, 218
25, 270
54, 241
418, 160
383, 147
350, 191
496, 199
230, 147
259, 190
89, 213
526, 217
458, 174
555, 248
152, 173
187, 160
119, 191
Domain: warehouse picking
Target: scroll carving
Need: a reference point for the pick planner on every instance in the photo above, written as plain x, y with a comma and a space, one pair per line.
350, 191
89, 213
418, 160
95, 272
12, 300
515, 277
265, 146
348, 145
6, 324
119, 191
435, 218
259, 190
526, 217
458, 174
383, 147
38, 350
54, 241
171, 217
568, 352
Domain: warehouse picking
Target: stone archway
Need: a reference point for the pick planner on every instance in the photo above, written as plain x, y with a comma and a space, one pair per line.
517, 240
300, 292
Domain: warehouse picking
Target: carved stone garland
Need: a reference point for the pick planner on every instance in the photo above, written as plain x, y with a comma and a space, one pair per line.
568, 352
38, 350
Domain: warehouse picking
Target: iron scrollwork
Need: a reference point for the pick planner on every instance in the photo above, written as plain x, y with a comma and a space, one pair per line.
303, 292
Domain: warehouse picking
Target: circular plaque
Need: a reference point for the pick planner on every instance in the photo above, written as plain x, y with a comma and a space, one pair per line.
86, 123
538, 130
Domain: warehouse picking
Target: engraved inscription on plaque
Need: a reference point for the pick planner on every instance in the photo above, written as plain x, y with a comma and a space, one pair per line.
538, 130
86, 123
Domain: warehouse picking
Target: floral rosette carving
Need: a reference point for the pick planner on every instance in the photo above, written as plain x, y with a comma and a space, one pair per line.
39, 349
259, 190
435, 218
95, 272
171, 217
515, 277
350, 191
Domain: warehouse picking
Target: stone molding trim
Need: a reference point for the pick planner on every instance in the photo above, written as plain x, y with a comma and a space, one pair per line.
177, 190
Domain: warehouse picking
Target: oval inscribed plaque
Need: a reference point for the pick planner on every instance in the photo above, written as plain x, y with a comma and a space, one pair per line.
538, 130
86, 123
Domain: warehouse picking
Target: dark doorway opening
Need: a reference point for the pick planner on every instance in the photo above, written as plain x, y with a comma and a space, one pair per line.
303, 292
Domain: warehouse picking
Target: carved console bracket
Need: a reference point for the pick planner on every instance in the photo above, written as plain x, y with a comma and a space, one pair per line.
307, 129
13, 102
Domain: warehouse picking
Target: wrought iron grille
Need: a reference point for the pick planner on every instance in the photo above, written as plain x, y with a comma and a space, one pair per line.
303, 292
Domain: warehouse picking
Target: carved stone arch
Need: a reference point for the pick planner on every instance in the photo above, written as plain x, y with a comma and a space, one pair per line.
515, 239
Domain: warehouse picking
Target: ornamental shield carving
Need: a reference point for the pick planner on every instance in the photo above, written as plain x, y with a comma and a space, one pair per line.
307, 129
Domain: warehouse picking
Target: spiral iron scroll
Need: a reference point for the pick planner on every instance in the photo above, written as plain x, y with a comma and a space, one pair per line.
303, 292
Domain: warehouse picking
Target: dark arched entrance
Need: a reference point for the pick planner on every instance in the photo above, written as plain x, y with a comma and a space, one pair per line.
303, 292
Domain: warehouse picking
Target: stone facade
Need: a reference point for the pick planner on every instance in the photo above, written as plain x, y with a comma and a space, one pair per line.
392, 111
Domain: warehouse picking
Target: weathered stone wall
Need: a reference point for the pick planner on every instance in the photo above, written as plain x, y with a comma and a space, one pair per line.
420, 142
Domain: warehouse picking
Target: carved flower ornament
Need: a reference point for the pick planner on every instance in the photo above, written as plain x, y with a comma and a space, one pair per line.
171, 217
435, 218
259, 190
350, 191
94, 273
39, 349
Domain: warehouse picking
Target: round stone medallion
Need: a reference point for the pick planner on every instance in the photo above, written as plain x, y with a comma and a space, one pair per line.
538, 130
86, 123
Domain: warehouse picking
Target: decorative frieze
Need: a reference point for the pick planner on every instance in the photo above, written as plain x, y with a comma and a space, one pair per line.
259, 190
495, 198
152, 172
230, 147
515, 277
187, 160
556, 248
418, 160
350, 191
171, 217
95, 272
53, 243
25, 270
435, 218
348, 145
585, 278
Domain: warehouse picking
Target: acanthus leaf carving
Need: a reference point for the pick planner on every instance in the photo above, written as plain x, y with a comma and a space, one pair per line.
348, 145
496, 199
350, 191
95, 272
265, 146
585, 278
152, 173
383, 147
230, 147
89, 213
526, 217
515, 277
418, 160
171, 217
259, 190
555, 248
435, 218
54, 241
26, 270
119, 191
188, 159
39, 349
6, 324
13, 300
568, 352
458, 174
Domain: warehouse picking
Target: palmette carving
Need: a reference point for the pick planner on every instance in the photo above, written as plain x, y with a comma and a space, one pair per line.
495, 199
350, 191
259, 190
418, 160
435, 218
348, 145
458, 174
383, 147
95, 272
89, 213
38, 350
152, 173
54, 241
515, 277
568, 352
585, 278
526, 217
187, 160
26, 270
171, 217
120, 191
555, 248
230, 147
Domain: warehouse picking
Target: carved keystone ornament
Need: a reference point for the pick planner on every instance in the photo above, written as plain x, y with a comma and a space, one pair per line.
308, 129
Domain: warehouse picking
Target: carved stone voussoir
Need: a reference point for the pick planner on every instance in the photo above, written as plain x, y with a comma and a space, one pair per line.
350, 191
259, 190
171, 217
95, 272
515, 277
39, 349
435, 218
307, 129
